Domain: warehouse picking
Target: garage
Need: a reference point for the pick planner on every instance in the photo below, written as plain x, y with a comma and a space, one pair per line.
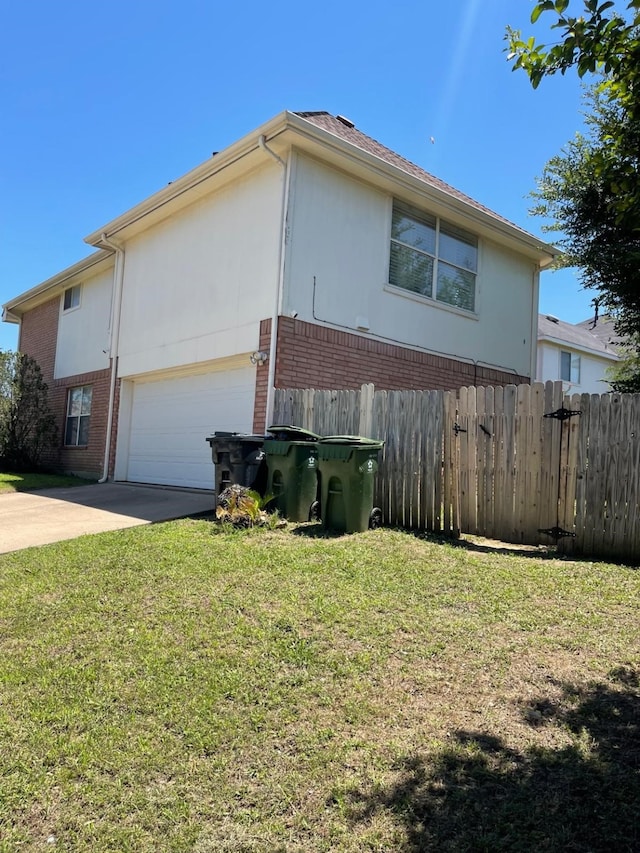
171, 417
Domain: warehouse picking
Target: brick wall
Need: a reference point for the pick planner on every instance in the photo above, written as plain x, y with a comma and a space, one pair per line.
313, 356
38, 338
262, 377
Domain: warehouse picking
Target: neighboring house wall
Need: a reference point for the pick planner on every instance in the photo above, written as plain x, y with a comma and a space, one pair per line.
337, 271
592, 369
197, 285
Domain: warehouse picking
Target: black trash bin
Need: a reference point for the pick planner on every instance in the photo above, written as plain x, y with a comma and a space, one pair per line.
238, 460
292, 472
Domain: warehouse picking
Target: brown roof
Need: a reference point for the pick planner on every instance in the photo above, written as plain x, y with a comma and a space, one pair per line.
344, 128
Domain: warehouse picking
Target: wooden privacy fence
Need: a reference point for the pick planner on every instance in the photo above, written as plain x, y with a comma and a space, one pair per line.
524, 463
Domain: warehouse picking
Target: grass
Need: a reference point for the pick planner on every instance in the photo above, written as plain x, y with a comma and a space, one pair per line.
30, 482
181, 688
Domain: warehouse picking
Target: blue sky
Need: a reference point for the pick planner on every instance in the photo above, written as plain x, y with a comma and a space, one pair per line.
102, 105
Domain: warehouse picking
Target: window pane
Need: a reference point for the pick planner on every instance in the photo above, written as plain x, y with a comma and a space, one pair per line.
75, 401
83, 435
411, 270
458, 247
565, 366
72, 297
417, 232
71, 433
575, 369
456, 287
87, 393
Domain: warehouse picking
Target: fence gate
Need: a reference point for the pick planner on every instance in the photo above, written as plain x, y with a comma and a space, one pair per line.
516, 463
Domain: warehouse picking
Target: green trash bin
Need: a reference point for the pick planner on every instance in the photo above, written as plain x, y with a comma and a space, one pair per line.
347, 465
292, 472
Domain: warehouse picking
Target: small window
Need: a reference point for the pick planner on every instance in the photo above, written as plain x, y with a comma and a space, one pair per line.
78, 416
433, 258
570, 367
71, 297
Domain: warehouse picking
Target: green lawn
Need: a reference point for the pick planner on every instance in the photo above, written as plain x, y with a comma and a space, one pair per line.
178, 688
31, 482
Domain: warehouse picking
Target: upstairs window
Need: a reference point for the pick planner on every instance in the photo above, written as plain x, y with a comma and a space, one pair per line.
570, 367
78, 416
433, 258
71, 297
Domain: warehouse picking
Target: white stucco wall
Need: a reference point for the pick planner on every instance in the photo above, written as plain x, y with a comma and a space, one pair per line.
592, 369
83, 332
196, 285
340, 235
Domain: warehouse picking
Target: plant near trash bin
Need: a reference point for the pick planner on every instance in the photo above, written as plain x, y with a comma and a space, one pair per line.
243, 507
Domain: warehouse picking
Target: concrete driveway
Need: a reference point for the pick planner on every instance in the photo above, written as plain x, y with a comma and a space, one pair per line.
51, 515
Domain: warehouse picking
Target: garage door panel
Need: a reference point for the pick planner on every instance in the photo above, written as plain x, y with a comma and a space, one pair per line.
171, 419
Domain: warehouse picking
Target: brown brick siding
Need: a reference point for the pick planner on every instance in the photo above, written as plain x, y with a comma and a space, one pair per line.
313, 356
87, 460
262, 379
38, 338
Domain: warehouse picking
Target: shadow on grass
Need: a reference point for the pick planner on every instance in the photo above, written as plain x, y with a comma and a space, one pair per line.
478, 794
315, 530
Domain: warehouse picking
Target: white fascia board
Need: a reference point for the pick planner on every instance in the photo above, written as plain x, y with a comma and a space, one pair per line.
568, 345
13, 309
192, 179
491, 226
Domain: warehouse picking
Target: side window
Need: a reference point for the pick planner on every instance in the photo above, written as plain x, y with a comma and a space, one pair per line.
433, 258
76, 432
570, 367
71, 298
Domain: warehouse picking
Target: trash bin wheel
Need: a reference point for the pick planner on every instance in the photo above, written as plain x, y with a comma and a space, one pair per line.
314, 511
375, 518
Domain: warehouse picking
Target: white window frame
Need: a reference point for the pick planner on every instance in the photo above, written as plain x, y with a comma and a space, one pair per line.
82, 417
420, 217
74, 298
574, 363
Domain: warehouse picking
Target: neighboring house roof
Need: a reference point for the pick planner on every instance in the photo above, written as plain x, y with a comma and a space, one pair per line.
603, 328
573, 336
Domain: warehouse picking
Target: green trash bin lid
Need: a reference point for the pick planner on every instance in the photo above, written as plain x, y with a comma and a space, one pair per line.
285, 432
353, 441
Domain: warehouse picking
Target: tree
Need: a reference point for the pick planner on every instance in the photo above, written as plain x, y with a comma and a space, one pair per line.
27, 425
580, 191
591, 190
624, 376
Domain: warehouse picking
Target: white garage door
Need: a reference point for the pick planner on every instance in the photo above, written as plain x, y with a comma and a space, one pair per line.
171, 419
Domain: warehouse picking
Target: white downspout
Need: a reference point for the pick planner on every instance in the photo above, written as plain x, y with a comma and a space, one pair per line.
277, 309
113, 345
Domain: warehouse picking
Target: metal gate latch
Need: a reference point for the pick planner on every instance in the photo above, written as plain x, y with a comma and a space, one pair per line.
557, 532
458, 429
562, 414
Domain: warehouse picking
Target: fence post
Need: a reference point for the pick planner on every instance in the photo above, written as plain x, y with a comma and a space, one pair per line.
365, 425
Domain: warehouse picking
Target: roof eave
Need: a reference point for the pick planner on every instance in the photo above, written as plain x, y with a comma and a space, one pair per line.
234, 152
608, 354
12, 311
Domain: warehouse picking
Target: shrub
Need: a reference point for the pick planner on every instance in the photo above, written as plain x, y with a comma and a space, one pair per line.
27, 425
